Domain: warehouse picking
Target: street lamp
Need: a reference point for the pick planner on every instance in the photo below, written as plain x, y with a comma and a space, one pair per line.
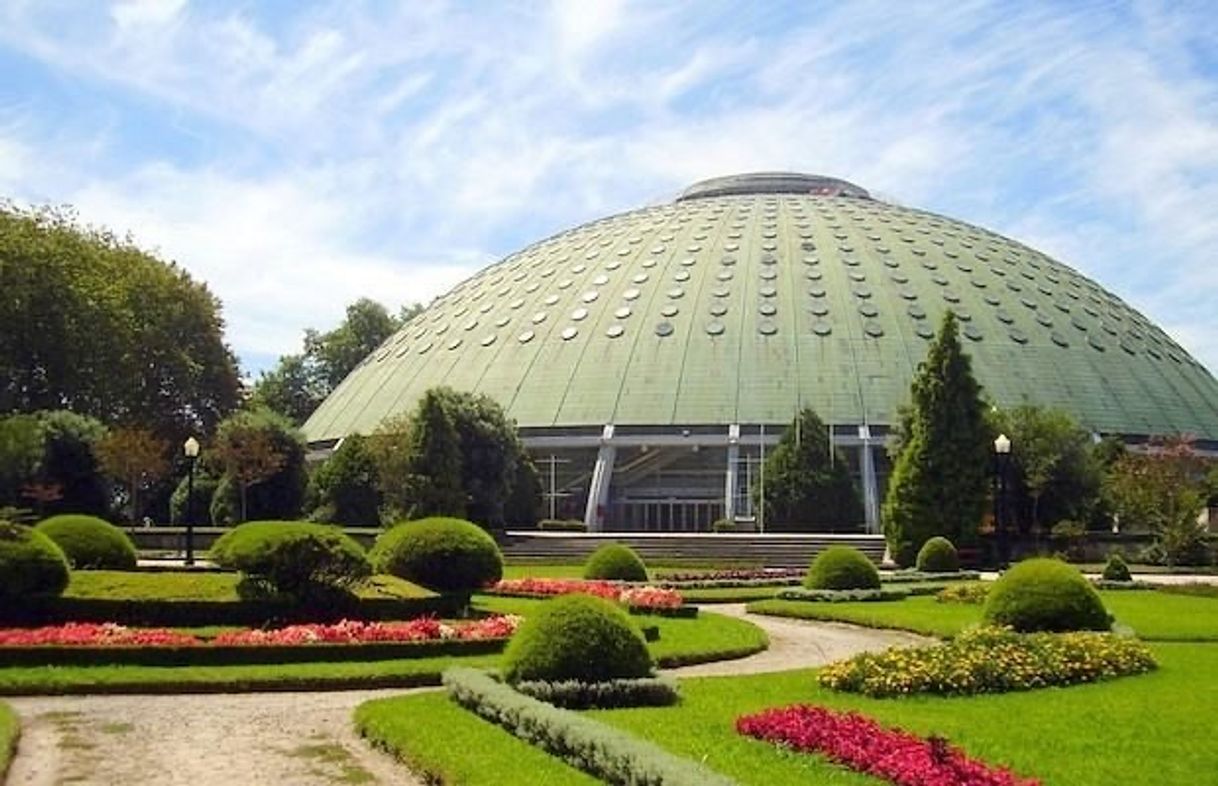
191, 449
1002, 459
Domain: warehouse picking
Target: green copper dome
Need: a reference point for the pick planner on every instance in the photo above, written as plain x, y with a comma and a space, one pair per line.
752, 296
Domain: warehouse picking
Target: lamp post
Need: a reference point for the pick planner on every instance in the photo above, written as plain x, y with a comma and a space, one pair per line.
1002, 459
191, 449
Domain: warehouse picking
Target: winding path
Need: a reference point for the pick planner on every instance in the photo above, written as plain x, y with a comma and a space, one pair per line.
304, 739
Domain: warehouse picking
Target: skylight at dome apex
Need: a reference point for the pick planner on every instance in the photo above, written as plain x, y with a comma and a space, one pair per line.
700, 321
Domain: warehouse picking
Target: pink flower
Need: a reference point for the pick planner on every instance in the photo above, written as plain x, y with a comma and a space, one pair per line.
863, 745
631, 596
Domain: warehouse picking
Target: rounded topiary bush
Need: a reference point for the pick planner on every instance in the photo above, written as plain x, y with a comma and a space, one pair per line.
842, 568
30, 564
1045, 594
938, 555
89, 543
615, 562
576, 637
1116, 569
296, 558
451, 555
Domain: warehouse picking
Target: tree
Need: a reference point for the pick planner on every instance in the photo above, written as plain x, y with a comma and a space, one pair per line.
940, 482
136, 458
389, 447
98, 326
490, 451
21, 449
523, 507
808, 485
291, 389
1162, 491
70, 467
262, 454
433, 479
347, 485
1057, 475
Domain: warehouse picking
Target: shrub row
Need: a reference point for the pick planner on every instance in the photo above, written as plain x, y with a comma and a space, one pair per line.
580, 695
1106, 584
842, 596
241, 655
245, 613
726, 583
974, 594
990, 660
918, 576
604, 752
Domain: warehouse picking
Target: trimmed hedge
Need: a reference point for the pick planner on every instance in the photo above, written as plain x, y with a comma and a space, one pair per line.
918, 577
298, 558
990, 660
576, 637
272, 611
615, 562
211, 655
602, 751
843, 596
1045, 594
609, 694
90, 543
31, 566
445, 554
1116, 569
842, 568
973, 594
562, 525
938, 555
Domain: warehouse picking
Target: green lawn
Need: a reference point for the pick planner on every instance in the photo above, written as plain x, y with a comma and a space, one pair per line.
1089, 735
201, 585
1154, 616
10, 728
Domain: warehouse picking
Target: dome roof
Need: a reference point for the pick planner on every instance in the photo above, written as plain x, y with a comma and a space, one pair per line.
754, 295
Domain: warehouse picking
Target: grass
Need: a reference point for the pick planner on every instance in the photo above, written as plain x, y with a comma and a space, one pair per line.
1089, 735
10, 729
198, 585
1154, 616
420, 731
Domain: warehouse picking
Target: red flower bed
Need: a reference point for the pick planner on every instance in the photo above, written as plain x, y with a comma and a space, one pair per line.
858, 742
758, 574
345, 632
632, 597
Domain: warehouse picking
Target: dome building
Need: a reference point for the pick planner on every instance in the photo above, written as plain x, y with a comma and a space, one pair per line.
650, 357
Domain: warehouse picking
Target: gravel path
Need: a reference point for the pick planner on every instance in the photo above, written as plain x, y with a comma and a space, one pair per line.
303, 739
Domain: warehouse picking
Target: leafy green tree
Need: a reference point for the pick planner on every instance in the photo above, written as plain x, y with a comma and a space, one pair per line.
263, 456
807, 483
390, 448
346, 485
490, 451
434, 469
1162, 490
1057, 475
940, 482
96, 325
135, 458
291, 388
524, 505
21, 449
70, 465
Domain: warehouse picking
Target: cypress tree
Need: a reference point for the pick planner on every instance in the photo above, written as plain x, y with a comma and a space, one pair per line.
434, 484
807, 486
940, 482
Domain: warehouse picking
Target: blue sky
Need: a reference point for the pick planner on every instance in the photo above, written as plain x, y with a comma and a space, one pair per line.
298, 156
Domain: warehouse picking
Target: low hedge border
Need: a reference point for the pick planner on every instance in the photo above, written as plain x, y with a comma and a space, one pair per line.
917, 576
602, 751
200, 613
610, 694
843, 596
726, 583
210, 655
422, 679
1107, 584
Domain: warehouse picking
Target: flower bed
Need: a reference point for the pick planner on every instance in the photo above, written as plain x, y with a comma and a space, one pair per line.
86, 634
842, 596
633, 597
972, 594
990, 660
863, 745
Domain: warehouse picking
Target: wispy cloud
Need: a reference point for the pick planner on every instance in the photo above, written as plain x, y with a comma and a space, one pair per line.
312, 155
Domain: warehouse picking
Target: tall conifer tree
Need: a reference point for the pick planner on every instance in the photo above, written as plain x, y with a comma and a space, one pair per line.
940, 483
808, 484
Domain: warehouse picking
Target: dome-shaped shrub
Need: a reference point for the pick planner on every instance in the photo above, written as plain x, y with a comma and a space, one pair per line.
89, 543
938, 555
294, 557
1045, 594
1116, 569
615, 562
576, 637
842, 568
451, 555
30, 564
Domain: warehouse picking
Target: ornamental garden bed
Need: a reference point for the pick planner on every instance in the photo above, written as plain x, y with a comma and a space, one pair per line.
637, 599
91, 644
